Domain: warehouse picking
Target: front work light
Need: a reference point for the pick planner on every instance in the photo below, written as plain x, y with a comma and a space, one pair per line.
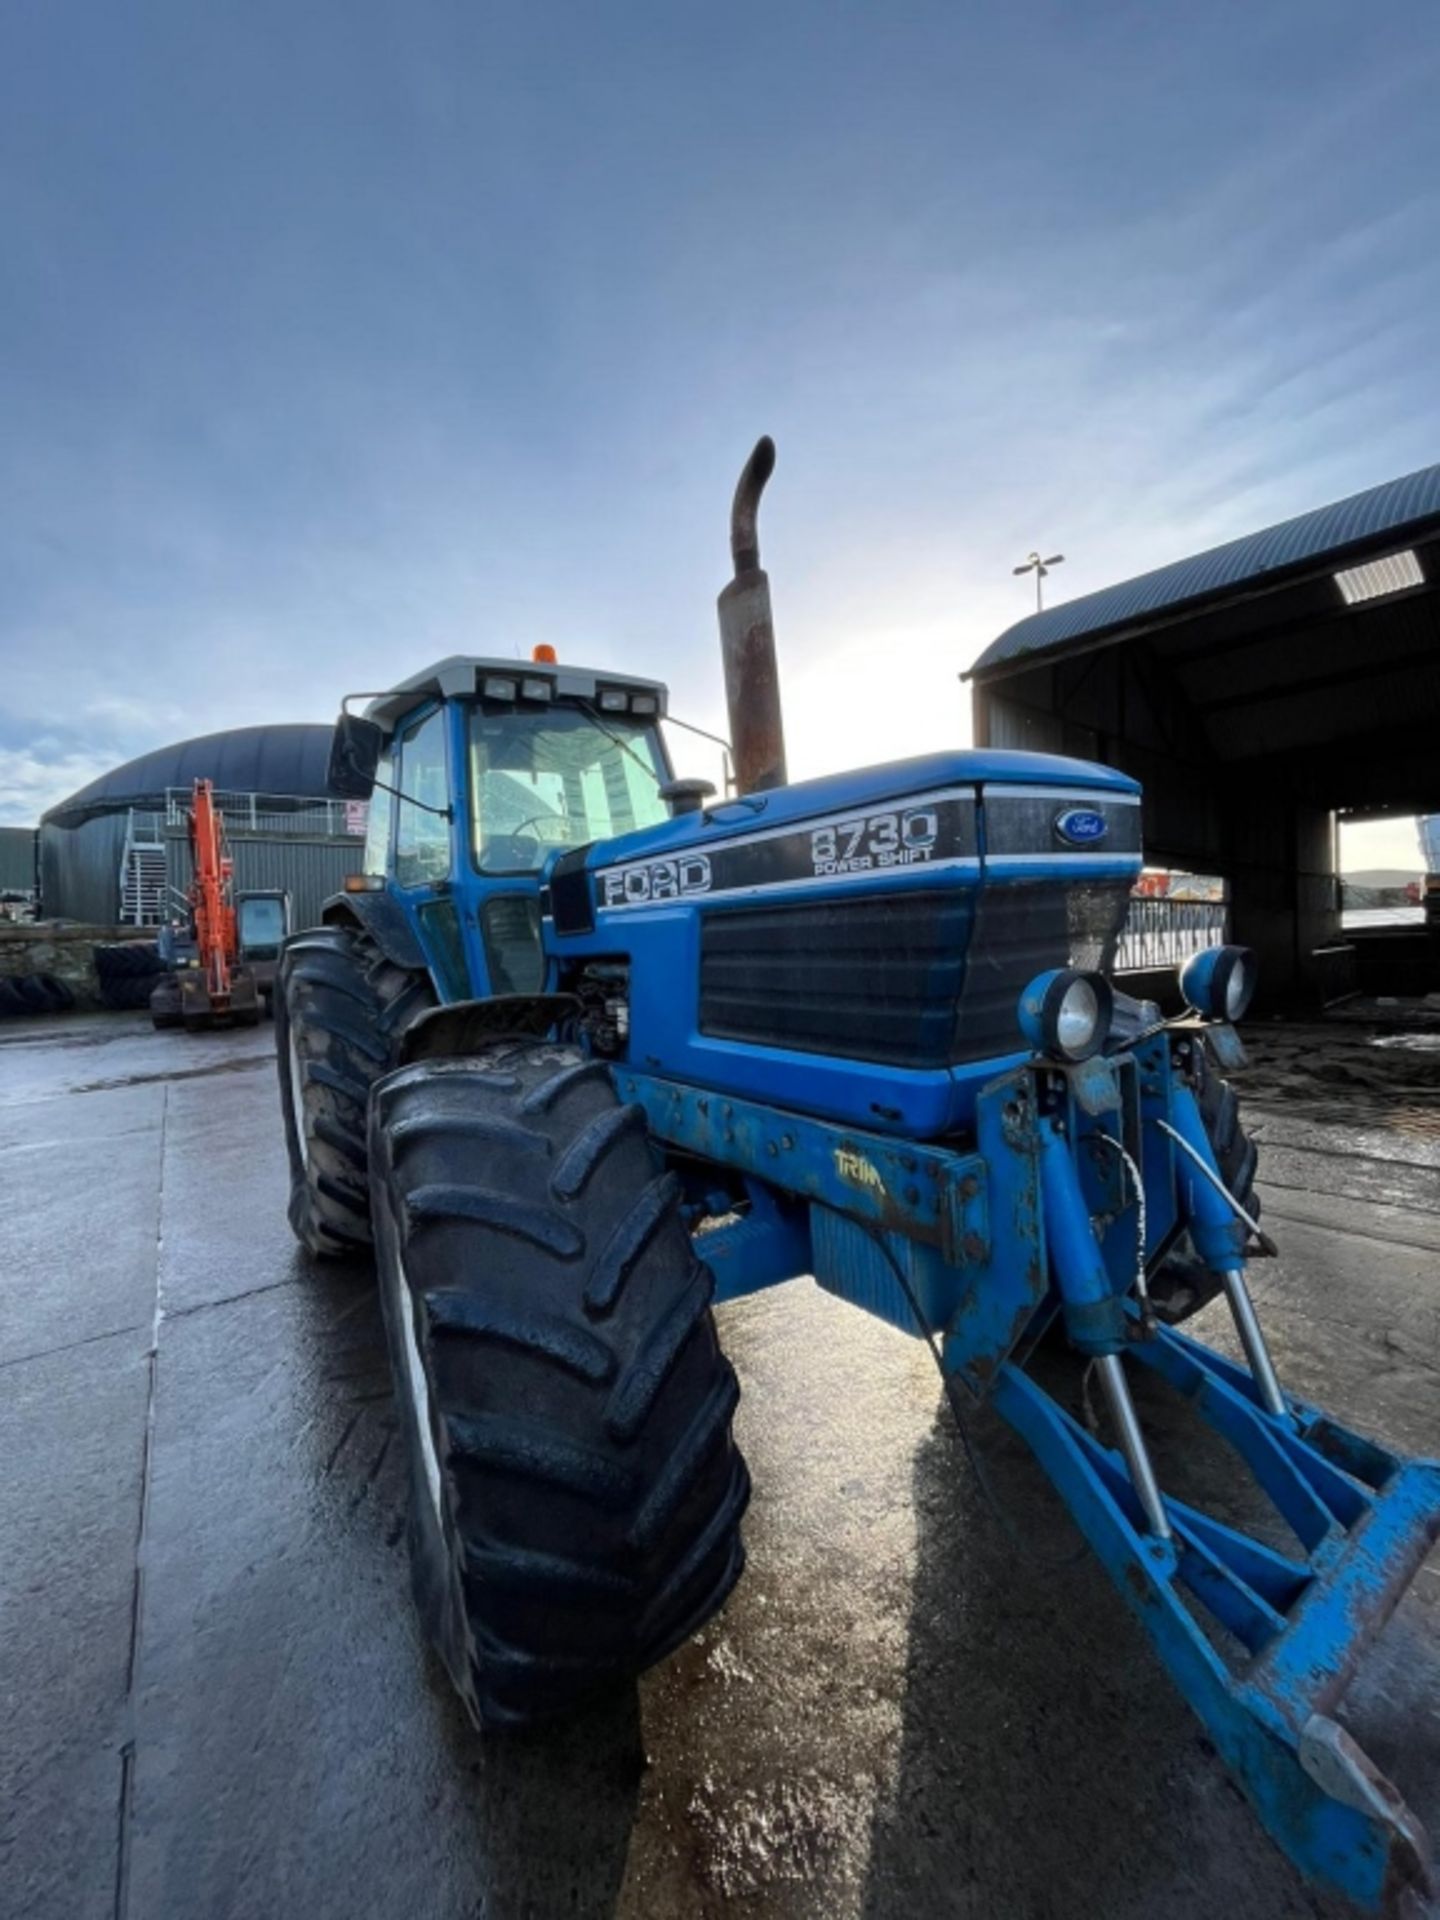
613, 700
1220, 983
1066, 1014
495, 688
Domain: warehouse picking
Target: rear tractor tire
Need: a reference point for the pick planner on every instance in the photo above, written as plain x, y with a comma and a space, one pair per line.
1182, 1284
575, 1492
340, 1008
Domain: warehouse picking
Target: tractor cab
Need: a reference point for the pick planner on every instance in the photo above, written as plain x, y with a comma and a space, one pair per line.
262, 921
262, 925
477, 771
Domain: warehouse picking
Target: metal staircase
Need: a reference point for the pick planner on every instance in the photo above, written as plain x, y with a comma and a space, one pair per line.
143, 872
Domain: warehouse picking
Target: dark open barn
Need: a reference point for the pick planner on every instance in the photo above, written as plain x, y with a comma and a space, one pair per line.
1259, 691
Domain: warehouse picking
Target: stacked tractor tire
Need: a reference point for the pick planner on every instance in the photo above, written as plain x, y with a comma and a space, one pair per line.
23, 995
128, 973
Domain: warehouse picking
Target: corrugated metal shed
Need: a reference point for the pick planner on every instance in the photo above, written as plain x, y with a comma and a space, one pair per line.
80, 869
309, 870
17, 859
270, 778
1396, 511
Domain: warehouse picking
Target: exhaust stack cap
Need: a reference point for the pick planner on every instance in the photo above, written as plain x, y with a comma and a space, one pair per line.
745, 512
747, 639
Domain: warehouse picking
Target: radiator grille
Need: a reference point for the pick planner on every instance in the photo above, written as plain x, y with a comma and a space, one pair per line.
869, 979
923, 979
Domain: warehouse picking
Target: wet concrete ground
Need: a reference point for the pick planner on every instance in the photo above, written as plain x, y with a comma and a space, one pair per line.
216, 1700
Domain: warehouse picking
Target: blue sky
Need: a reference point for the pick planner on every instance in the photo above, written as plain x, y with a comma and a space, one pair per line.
337, 337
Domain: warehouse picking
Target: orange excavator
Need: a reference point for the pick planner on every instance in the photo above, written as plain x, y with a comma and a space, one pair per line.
214, 988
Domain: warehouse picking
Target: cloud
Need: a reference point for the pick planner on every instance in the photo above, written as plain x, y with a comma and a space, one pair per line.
452, 362
43, 761
126, 714
34, 778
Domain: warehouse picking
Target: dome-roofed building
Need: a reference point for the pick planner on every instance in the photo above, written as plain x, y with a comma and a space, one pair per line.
117, 853
283, 762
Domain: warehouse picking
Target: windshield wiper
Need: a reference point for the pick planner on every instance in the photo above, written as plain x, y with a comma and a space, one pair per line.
624, 745
669, 721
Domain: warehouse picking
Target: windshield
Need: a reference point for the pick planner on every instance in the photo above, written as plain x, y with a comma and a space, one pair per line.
262, 922
558, 778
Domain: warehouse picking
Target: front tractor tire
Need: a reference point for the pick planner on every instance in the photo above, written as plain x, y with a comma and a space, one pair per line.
340, 1008
575, 1490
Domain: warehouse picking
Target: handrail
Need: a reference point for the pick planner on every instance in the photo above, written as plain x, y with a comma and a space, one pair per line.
277, 814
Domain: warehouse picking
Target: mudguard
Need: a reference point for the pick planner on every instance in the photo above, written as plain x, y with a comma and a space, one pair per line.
383, 920
469, 1026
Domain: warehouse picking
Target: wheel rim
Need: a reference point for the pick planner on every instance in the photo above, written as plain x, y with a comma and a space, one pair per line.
418, 1386
297, 1094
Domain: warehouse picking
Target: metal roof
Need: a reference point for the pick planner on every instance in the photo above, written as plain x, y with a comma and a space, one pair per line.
1389, 511
284, 760
458, 677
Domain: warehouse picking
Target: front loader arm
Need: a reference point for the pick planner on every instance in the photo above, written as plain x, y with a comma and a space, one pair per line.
1039, 1218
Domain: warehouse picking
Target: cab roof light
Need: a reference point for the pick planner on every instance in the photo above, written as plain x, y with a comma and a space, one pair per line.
614, 700
1392, 573
536, 689
543, 654
494, 688
644, 703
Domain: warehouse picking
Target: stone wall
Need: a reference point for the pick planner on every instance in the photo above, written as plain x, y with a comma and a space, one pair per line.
64, 950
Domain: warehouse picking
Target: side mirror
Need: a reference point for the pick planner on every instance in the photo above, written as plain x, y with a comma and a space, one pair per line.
354, 756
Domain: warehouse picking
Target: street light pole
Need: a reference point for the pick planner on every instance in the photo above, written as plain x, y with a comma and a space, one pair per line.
1034, 564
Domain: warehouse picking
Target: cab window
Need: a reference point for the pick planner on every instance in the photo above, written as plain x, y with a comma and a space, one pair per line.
560, 778
422, 839
376, 858
261, 926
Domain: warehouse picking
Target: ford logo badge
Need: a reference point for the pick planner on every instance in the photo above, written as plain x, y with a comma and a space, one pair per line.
1081, 826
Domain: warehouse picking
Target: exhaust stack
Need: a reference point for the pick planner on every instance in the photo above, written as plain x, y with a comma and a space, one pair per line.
747, 639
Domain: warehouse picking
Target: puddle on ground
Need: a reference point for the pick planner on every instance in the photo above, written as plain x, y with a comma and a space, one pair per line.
48, 1037
247, 1065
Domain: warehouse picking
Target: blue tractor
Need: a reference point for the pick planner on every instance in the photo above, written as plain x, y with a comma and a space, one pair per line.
585, 1049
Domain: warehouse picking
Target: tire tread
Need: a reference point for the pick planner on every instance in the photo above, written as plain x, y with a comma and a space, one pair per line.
579, 1405
348, 1006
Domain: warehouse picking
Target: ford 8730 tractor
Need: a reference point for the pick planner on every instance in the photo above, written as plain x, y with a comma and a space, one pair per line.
586, 1049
